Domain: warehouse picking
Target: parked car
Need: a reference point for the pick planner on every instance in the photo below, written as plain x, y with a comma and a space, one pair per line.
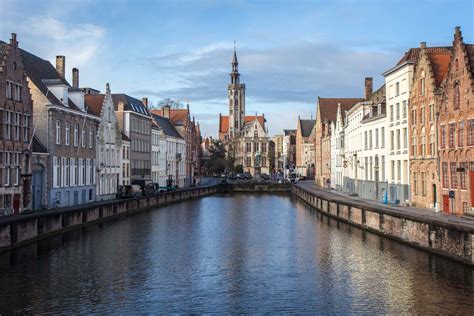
265, 176
247, 176
129, 191
293, 178
151, 189
170, 188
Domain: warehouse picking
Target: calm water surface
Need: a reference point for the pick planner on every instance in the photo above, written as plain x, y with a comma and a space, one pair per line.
221, 254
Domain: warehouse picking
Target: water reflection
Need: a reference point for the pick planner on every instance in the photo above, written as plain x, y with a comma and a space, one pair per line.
230, 253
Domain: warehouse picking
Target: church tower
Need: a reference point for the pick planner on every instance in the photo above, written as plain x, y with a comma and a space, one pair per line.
236, 99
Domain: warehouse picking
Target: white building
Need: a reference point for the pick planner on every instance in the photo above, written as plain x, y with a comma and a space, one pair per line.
125, 161
155, 153
109, 142
397, 82
172, 153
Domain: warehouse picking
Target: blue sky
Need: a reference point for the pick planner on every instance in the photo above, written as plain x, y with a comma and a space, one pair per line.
290, 52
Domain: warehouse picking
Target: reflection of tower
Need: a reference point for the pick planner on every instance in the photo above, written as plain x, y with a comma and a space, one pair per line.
236, 99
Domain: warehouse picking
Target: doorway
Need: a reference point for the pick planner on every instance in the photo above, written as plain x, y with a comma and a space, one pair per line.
37, 189
446, 204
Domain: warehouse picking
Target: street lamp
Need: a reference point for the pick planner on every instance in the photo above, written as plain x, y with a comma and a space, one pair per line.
356, 162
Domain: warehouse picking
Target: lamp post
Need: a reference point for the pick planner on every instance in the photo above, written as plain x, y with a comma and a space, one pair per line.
376, 170
356, 162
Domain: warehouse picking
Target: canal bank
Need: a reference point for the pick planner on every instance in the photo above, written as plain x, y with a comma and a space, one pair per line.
448, 236
19, 230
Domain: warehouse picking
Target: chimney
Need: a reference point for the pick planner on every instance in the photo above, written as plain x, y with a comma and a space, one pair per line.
368, 87
61, 65
75, 78
13, 41
458, 33
145, 102
120, 107
423, 45
166, 111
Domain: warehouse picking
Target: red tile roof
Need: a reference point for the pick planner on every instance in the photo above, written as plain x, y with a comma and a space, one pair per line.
94, 103
413, 53
439, 65
224, 121
328, 106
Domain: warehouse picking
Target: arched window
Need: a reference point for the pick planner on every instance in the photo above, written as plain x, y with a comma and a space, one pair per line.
457, 95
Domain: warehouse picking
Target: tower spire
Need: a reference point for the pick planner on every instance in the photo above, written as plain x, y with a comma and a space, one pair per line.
234, 75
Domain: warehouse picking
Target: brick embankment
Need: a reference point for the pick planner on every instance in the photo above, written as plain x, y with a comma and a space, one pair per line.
19, 230
445, 235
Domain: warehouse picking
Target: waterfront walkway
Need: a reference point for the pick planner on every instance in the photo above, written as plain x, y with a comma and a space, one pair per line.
463, 223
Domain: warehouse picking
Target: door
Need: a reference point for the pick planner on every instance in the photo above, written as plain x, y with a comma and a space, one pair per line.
37, 189
471, 182
16, 203
446, 204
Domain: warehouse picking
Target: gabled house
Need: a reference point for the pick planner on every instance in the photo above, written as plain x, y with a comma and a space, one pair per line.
66, 128
305, 148
109, 143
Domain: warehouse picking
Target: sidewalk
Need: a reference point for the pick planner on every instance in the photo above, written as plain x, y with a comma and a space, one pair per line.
417, 213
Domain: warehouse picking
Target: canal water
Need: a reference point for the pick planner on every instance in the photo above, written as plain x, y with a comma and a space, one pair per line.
230, 253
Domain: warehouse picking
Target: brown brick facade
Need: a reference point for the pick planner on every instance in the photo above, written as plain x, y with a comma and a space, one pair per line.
15, 131
456, 131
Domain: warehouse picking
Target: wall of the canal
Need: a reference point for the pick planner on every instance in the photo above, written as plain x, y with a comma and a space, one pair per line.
451, 240
446, 239
22, 229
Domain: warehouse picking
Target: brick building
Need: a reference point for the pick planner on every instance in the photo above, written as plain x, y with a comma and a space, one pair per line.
425, 97
15, 131
456, 126
305, 148
66, 128
326, 112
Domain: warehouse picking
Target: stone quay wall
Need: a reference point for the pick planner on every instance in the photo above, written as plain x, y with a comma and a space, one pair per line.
19, 230
447, 239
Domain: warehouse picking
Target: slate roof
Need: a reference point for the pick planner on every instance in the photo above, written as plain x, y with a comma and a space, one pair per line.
130, 104
306, 127
125, 137
166, 125
224, 122
289, 132
328, 106
39, 71
38, 147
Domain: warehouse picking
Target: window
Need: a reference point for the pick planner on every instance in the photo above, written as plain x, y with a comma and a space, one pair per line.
443, 136
399, 169
17, 96
383, 168
413, 144
457, 96
423, 143
8, 90
67, 172
423, 184
376, 138
68, 133
398, 110
423, 115
83, 138
445, 175
422, 86
405, 138
370, 139
398, 139
470, 133
76, 135
392, 140
432, 143
382, 136
57, 172
26, 128
461, 134
405, 109
366, 143
366, 168
91, 139
415, 184
391, 112
452, 131
413, 117
454, 179
462, 174
393, 170
249, 162
397, 89
58, 132
432, 113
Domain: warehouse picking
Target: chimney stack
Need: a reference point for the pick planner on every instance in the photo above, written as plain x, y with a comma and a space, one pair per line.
458, 33
145, 102
61, 66
368, 87
423, 45
166, 111
13, 41
75, 78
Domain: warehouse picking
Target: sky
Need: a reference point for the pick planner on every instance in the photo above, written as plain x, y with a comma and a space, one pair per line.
290, 52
